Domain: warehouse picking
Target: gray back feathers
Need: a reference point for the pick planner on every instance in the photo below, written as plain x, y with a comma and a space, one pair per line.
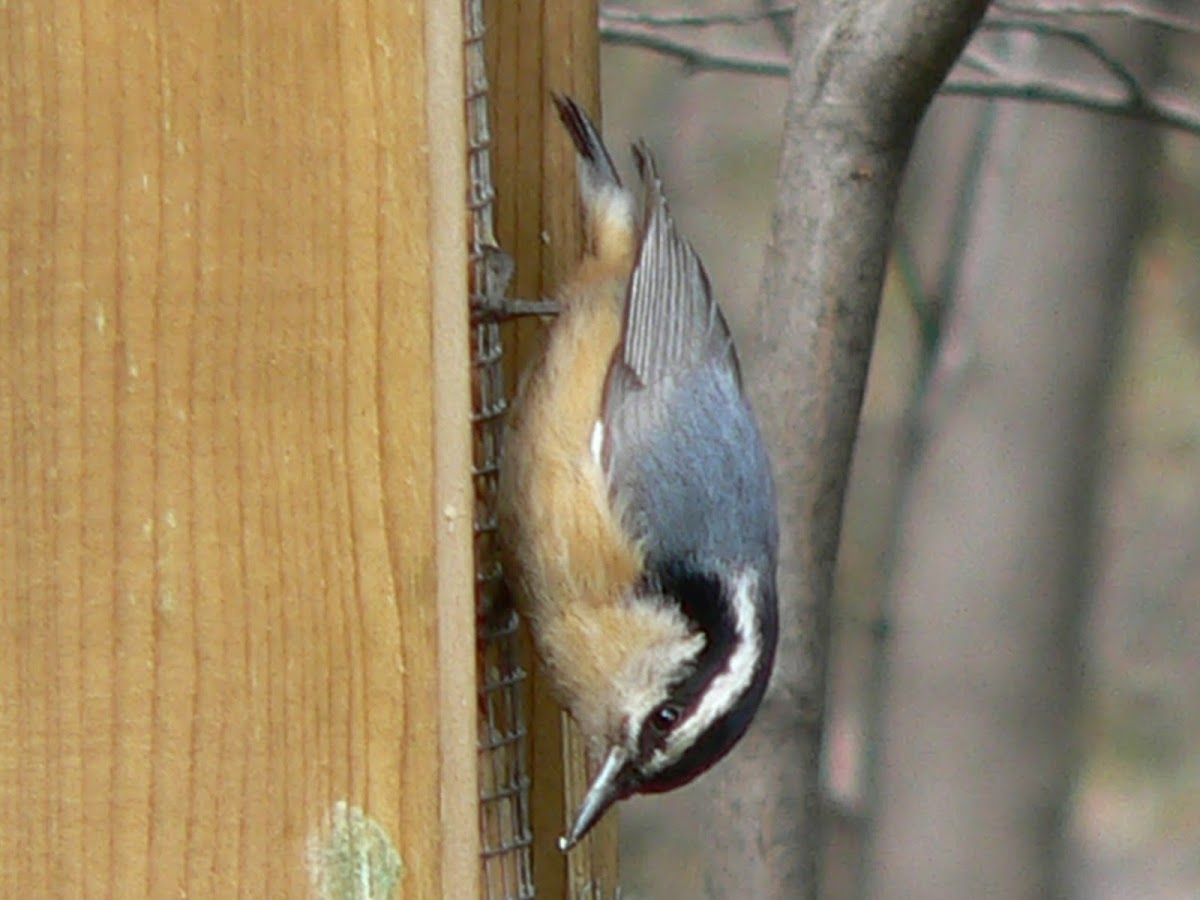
682, 452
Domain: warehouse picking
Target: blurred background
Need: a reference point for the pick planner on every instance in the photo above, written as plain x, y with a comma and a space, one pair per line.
996, 189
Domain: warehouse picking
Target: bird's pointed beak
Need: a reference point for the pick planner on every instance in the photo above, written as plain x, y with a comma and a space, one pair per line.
604, 791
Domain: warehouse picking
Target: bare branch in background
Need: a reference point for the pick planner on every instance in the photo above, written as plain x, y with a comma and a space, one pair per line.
692, 20
1118, 92
694, 54
1169, 110
1080, 39
781, 25
1147, 13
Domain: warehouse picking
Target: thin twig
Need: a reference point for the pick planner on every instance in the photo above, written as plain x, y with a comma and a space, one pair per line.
978, 60
1125, 9
1156, 109
1080, 39
692, 20
781, 21
691, 53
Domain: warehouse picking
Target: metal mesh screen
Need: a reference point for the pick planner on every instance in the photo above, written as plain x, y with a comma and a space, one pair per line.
506, 835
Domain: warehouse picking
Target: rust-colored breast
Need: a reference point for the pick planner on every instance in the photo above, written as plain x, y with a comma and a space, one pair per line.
566, 557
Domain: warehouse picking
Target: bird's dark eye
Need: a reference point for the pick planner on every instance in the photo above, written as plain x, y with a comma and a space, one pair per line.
664, 717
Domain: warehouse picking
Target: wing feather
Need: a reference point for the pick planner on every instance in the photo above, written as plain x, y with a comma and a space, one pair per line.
672, 323
684, 460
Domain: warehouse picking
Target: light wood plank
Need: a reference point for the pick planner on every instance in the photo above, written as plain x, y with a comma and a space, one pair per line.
235, 601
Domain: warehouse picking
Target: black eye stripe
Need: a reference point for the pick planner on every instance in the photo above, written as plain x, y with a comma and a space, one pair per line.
699, 595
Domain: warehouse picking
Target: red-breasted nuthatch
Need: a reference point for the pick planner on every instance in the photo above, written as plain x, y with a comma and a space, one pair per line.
637, 511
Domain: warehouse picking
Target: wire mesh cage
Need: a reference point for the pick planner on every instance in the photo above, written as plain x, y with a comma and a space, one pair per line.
506, 836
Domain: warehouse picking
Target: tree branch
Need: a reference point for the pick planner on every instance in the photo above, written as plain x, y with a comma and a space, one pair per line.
1126, 9
1130, 100
617, 13
1084, 41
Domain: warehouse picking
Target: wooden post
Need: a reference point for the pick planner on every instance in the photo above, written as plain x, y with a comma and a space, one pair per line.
535, 47
236, 627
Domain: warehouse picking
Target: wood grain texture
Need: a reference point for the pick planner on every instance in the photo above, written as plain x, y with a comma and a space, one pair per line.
535, 47
234, 492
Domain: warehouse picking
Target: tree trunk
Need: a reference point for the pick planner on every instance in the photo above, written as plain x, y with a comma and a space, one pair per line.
862, 75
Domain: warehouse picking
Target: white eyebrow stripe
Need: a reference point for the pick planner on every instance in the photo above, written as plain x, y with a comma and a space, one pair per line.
724, 690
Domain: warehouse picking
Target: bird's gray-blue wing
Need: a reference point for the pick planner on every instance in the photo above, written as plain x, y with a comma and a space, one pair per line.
683, 455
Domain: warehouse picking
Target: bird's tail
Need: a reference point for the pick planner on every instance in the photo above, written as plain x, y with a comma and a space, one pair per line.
609, 209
